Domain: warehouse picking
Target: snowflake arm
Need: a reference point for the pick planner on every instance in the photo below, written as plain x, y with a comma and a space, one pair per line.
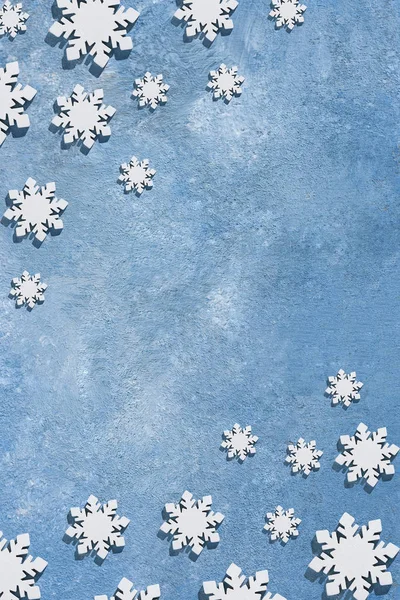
150, 91
287, 13
235, 586
282, 524
12, 19
239, 443
206, 18
303, 457
19, 570
225, 83
27, 290
97, 527
192, 524
136, 175
353, 559
76, 25
344, 388
13, 98
126, 591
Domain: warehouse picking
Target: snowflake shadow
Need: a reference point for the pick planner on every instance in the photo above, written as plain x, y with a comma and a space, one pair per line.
284, 27
278, 540
14, 130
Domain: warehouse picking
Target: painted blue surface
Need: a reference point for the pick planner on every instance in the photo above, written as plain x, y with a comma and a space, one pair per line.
265, 259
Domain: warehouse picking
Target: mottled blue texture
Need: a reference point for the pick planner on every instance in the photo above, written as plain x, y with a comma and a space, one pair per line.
265, 259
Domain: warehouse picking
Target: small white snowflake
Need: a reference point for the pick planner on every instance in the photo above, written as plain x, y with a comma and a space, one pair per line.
344, 388
27, 290
136, 175
192, 524
97, 527
367, 455
303, 456
236, 586
94, 27
125, 591
12, 19
13, 97
83, 116
206, 17
239, 442
282, 524
35, 210
353, 559
225, 83
18, 570
150, 91
287, 13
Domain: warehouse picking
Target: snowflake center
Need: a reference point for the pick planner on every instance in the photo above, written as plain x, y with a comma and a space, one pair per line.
84, 115
193, 523
239, 441
288, 10
282, 524
92, 22
97, 526
304, 456
344, 388
10, 19
151, 89
367, 454
137, 174
205, 11
226, 81
12, 571
354, 557
28, 289
36, 209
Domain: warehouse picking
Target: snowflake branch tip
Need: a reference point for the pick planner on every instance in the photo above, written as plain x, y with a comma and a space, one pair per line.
344, 388
225, 83
19, 571
12, 19
239, 443
126, 591
303, 457
136, 175
282, 524
206, 19
13, 98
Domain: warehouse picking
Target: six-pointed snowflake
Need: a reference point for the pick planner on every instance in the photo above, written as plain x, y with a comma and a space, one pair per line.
344, 388
353, 559
35, 210
83, 116
150, 91
236, 586
94, 27
225, 83
18, 570
303, 456
192, 524
287, 13
282, 524
97, 527
13, 97
136, 175
126, 591
367, 455
28, 290
239, 442
206, 17
12, 19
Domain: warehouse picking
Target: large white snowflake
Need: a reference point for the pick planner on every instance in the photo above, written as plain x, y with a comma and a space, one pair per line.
83, 116
303, 456
13, 98
282, 524
287, 13
353, 559
344, 388
94, 27
18, 570
27, 289
367, 455
97, 527
126, 591
136, 175
206, 17
239, 443
12, 19
150, 91
225, 83
236, 586
35, 210
192, 524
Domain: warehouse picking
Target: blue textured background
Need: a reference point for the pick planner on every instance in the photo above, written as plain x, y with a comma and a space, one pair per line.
265, 259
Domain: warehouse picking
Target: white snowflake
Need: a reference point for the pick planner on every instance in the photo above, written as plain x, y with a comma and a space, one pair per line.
94, 27
28, 290
353, 559
303, 456
236, 586
206, 17
367, 455
126, 591
287, 13
13, 97
344, 388
192, 524
136, 175
239, 442
12, 19
225, 83
18, 570
97, 527
282, 524
150, 91
83, 116
35, 210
